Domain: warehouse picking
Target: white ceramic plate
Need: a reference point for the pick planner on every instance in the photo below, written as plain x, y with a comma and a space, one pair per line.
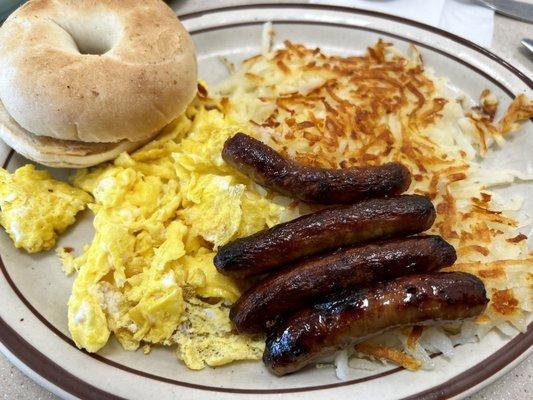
34, 291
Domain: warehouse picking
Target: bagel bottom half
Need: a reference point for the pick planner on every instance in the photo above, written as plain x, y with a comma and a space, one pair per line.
56, 152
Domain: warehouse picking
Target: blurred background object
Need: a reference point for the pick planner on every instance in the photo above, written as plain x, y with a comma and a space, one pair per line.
511, 8
7, 7
528, 44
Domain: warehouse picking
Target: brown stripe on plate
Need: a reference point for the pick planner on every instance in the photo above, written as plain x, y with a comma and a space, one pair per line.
8, 158
47, 368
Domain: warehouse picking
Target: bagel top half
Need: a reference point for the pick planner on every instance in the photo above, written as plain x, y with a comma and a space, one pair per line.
94, 71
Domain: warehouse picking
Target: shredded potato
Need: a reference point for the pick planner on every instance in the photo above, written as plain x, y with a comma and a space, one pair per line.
390, 354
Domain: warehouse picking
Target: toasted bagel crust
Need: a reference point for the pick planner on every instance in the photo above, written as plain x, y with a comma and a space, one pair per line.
140, 76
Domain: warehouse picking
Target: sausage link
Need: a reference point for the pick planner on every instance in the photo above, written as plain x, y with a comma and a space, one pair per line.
311, 184
298, 286
313, 333
325, 230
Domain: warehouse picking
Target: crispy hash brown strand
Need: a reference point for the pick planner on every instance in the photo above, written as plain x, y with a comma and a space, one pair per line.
318, 331
313, 184
325, 230
302, 284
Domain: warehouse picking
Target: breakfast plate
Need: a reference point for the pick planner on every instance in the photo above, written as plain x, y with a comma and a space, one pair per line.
34, 291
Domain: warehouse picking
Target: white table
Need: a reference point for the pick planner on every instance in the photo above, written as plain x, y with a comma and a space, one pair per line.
516, 385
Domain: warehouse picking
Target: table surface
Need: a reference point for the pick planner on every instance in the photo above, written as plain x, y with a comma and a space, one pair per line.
516, 385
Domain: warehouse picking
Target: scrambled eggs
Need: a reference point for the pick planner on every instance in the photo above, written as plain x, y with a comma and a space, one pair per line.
160, 215
36, 207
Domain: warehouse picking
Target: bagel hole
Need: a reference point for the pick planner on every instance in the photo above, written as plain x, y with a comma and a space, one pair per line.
93, 36
86, 47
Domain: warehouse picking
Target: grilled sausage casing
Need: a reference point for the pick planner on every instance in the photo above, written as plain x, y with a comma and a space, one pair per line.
313, 333
298, 286
325, 230
317, 185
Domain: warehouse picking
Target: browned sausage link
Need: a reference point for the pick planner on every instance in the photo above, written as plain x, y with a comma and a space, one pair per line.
325, 230
313, 333
300, 285
317, 185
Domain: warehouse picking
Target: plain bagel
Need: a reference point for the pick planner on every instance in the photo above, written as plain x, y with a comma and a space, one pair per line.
95, 71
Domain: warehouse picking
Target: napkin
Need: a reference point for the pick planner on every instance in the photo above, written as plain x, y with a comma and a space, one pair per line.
469, 20
464, 18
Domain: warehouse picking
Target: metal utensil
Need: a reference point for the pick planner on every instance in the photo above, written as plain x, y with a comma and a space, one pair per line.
528, 44
510, 8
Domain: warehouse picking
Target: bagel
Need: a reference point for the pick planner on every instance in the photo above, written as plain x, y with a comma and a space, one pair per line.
107, 73
56, 152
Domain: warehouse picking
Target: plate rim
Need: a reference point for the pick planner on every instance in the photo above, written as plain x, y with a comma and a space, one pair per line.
78, 387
